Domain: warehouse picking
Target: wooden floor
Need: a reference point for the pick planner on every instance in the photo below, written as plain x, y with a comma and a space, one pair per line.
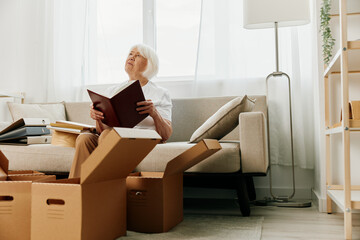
282, 223
302, 223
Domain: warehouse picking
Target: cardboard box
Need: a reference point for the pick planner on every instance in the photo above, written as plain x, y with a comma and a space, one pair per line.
64, 139
94, 206
15, 201
155, 199
25, 172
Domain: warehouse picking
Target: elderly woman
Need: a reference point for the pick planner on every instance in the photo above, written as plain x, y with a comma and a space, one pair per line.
141, 64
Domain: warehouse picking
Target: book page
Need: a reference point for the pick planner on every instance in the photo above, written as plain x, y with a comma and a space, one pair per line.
110, 92
122, 87
71, 124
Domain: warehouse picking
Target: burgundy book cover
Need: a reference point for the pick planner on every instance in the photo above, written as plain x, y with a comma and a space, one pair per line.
120, 110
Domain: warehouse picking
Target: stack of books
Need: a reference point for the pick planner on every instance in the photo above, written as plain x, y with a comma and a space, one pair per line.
64, 133
26, 131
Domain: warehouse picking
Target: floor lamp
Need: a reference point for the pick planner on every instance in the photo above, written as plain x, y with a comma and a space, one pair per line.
268, 14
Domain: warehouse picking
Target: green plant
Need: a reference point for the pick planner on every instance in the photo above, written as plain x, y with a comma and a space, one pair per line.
328, 40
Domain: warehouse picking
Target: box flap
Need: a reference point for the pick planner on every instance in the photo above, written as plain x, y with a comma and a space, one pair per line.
24, 172
32, 178
137, 133
4, 166
118, 154
192, 156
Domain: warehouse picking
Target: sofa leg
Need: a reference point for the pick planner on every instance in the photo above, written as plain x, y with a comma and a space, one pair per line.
250, 188
242, 194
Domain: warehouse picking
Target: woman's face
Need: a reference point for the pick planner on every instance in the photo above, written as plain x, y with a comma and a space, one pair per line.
135, 63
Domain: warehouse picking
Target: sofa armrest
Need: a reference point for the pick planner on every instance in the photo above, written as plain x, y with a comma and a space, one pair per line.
253, 142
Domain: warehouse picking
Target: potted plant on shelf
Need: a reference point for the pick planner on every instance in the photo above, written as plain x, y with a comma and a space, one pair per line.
328, 41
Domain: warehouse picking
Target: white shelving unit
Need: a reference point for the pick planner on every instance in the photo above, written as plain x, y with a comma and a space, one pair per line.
346, 196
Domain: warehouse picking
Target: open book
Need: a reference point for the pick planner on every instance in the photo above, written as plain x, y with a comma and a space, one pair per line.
71, 127
120, 110
65, 132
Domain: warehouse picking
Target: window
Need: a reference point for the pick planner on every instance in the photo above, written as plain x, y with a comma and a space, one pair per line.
172, 31
119, 26
177, 36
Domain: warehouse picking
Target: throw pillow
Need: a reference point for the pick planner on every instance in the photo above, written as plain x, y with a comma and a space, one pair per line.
53, 111
224, 120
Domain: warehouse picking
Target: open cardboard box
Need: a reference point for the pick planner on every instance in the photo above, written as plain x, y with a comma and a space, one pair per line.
94, 205
25, 172
155, 199
15, 201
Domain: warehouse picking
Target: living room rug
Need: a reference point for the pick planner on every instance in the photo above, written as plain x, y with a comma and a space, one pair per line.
209, 227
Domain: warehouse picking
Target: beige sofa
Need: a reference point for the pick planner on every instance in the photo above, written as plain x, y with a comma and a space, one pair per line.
244, 150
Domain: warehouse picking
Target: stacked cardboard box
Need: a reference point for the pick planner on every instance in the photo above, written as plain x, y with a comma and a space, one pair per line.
155, 199
15, 200
93, 206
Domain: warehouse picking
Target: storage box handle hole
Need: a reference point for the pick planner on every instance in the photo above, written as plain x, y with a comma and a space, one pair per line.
52, 201
6, 198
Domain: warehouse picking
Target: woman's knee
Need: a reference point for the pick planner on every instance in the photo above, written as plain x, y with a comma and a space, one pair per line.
86, 139
104, 134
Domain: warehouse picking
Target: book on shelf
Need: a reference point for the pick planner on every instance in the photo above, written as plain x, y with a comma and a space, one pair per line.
120, 109
354, 115
352, 124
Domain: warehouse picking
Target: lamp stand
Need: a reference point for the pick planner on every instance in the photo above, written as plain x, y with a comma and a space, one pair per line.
281, 201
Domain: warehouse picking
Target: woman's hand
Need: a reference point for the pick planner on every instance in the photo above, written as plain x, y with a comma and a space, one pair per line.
162, 126
146, 107
95, 114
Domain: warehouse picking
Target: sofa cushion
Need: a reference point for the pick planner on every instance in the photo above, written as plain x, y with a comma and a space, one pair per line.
224, 120
50, 158
224, 161
79, 112
53, 111
40, 157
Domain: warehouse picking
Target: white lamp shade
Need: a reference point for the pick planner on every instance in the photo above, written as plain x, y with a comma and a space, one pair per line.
264, 13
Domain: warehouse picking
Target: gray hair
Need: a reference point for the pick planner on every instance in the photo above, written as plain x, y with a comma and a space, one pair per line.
148, 52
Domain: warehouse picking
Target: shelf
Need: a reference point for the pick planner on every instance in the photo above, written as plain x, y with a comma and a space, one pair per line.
346, 61
338, 197
354, 66
350, 72
339, 130
348, 14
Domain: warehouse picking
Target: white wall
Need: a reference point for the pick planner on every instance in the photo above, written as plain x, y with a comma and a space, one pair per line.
319, 166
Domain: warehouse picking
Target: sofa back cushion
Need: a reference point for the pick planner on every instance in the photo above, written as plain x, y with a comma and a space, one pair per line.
52, 111
224, 120
78, 112
188, 114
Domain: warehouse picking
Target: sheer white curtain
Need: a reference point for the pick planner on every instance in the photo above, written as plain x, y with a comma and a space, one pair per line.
45, 48
68, 48
235, 61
